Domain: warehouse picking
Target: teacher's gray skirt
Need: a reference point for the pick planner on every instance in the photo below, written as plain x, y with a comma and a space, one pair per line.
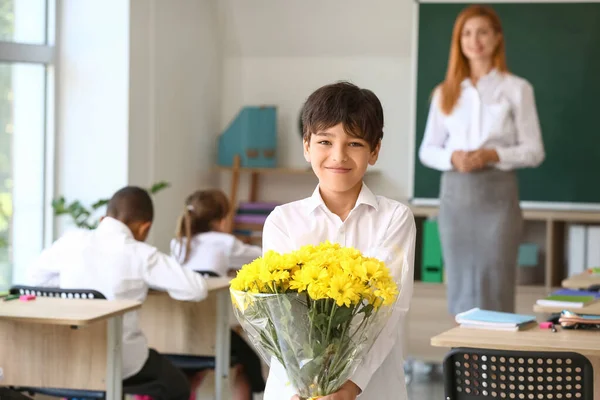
480, 226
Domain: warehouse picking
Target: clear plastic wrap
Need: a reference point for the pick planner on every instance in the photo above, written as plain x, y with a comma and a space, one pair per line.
316, 311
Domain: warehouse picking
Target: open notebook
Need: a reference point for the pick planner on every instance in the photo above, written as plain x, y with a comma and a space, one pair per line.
495, 320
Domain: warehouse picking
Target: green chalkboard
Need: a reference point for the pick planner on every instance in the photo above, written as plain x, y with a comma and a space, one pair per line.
556, 47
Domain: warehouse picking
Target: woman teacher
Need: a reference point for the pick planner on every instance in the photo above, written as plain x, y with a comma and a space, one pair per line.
482, 125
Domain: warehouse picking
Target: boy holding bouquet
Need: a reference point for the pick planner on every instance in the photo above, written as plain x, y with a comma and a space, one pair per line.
343, 129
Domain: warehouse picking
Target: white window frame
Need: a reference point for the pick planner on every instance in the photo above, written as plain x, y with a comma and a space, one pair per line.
15, 52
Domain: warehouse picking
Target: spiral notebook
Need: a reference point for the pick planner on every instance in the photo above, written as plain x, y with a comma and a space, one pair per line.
495, 320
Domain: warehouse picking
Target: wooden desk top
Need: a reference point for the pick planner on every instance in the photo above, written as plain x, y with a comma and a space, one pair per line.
581, 281
590, 309
74, 312
218, 283
532, 339
528, 214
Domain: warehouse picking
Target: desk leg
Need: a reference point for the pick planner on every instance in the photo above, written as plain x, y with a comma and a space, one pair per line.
223, 343
114, 359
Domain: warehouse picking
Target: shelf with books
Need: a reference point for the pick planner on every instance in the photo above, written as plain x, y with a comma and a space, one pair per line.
428, 315
553, 225
248, 229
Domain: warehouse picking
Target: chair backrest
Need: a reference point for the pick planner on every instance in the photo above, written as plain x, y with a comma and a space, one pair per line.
210, 274
478, 374
56, 292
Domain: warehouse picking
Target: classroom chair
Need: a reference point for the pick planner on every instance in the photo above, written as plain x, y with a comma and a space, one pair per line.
474, 374
70, 393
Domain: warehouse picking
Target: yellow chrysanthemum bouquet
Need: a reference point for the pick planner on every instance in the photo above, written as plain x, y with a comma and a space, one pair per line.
317, 311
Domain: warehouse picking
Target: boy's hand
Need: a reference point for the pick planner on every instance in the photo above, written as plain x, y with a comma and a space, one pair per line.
349, 391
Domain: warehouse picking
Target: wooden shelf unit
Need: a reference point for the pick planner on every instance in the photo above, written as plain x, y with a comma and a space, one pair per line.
428, 314
236, 170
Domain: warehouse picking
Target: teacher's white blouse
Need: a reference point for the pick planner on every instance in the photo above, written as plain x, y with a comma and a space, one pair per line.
499, 113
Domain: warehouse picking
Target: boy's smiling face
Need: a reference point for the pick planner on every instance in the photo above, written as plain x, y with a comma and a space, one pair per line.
338, 159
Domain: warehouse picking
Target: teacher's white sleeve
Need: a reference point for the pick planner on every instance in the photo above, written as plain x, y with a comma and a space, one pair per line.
400, 240
433, 152
529, 149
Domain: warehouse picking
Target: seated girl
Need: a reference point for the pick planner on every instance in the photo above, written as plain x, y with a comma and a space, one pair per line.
201, 244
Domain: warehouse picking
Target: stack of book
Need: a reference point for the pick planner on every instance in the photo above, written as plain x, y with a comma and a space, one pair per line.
249, 220
569, 298
494, 320
594, 271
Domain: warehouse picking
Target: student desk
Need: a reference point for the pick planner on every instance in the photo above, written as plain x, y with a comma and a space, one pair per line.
581, 281
192, 328
63, 343
532, 339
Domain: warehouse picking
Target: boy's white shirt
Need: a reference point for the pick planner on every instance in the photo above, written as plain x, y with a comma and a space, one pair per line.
109, 260
215, 251
378, 227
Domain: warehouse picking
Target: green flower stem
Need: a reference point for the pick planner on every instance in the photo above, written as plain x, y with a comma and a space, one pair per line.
337, 353
331, 314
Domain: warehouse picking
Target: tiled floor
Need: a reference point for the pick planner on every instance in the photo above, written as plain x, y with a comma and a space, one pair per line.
426, 385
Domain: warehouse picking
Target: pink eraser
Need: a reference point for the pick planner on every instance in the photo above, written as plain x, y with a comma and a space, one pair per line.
27, 297
546, 325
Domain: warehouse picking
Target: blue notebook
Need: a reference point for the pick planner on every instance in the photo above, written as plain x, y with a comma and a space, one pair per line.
478, 318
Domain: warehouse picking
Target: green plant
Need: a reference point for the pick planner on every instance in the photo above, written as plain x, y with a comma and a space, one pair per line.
81, 214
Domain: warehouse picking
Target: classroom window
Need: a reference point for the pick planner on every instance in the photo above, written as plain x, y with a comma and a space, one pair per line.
26, 110
23, 21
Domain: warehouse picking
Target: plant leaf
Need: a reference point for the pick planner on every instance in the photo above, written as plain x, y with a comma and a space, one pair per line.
341, 315
99, 204
158, 186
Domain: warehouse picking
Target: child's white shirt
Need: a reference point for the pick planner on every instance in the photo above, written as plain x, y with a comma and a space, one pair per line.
378, 227
217, 252
110, 260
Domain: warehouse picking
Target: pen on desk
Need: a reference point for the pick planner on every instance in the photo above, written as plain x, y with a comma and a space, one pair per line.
553, 328
11, 297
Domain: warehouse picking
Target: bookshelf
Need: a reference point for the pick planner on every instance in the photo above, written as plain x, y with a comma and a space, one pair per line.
428, 314
236, 170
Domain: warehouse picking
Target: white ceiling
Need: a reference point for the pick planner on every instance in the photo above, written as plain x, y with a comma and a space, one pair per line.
310, 28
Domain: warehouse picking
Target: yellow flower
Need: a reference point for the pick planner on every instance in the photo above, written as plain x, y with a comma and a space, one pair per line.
343, 289
370, 269
326, 270
387, 290
317, 290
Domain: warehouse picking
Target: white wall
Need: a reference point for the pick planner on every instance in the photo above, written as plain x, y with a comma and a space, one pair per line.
175, 101
279, 52
92, 106
139, 101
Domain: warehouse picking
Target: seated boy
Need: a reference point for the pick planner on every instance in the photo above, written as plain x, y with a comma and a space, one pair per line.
114, 260
343, 128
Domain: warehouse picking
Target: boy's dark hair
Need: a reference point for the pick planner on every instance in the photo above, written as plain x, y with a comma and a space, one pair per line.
131, 204
202, 209
359, 110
